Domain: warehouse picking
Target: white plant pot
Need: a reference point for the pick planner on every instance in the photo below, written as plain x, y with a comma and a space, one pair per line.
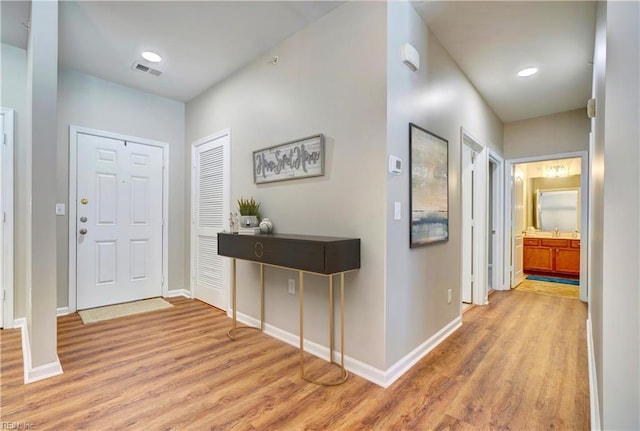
248, 221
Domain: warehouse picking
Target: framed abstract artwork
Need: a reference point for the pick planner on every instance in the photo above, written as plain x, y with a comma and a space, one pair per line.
429, 194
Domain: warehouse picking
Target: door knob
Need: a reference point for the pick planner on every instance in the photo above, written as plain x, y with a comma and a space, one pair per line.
83, 219
83, 231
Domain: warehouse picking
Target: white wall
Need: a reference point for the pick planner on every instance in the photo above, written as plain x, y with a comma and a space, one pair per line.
563, 132
331, 79
91, 102
596, 207
440, 99
14, 96
616, 312
42, 86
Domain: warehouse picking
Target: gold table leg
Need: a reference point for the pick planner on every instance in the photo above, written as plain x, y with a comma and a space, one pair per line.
235, 326
301, 284
344, 373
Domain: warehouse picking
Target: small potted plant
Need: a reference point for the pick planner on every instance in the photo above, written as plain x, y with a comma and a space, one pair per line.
249, 212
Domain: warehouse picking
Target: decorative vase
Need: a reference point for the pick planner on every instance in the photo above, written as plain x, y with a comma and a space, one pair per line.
234, 222
266, 226
248, 221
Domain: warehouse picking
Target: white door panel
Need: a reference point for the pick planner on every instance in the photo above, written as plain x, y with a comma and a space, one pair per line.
210, 211
467, 223
518, 267
2, 257
119, 258
518, 228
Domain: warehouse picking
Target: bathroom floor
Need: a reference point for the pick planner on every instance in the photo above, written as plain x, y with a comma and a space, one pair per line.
550, 289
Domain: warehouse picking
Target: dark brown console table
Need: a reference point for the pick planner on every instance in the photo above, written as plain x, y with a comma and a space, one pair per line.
322, 255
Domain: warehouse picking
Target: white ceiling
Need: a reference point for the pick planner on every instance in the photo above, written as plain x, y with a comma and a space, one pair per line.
14, 14
203, 42
492, 41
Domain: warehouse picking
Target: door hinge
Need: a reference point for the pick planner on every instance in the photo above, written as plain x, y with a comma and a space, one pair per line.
4, 294
4, 217
4, 139
162, 281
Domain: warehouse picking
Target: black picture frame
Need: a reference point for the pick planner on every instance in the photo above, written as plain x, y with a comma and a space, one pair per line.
429, 187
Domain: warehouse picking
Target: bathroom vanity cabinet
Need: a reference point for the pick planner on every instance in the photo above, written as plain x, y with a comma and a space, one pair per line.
559, 256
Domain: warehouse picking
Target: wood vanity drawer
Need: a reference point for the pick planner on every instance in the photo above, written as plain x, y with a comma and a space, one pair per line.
575, 243
532, 241
560, 243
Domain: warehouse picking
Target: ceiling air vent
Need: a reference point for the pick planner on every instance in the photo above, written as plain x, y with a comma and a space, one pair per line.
146, 69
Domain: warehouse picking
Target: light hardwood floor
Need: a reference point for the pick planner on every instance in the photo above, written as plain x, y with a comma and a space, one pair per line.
518, 364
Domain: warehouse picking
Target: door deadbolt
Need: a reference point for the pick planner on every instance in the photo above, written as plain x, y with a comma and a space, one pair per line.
83, 219
83, 231
84, 201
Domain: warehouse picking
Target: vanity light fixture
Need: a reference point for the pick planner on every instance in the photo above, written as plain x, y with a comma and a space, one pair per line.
151, 56
557, 170
529, 71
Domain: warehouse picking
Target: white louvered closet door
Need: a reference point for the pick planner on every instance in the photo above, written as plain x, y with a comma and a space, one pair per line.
210, 214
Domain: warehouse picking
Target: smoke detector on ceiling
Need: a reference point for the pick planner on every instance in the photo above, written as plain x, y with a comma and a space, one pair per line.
146, 69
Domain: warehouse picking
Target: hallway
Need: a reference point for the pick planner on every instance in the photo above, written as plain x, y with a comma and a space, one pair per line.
519, 363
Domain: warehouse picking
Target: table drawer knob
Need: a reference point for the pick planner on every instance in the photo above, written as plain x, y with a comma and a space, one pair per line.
258, 249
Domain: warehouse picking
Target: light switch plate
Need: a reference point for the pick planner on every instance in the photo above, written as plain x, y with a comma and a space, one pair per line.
397, 210
60, 210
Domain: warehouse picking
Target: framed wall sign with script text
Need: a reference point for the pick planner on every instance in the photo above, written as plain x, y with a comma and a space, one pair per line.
301, 158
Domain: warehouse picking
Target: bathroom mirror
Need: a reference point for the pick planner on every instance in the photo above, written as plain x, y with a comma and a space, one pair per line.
558, 208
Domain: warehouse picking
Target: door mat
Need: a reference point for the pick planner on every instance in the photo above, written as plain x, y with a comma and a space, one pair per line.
109, 312
553, 279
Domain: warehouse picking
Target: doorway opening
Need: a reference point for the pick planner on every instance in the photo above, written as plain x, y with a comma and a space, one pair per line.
482, 188
548, 221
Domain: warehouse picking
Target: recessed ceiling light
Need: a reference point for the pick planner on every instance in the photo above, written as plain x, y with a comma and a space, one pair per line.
529, 71
151, 56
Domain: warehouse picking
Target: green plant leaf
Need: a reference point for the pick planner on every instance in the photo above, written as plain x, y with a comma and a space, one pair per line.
249, 207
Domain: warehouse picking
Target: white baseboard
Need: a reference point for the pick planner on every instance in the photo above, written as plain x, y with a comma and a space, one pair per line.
593, 379
366, 371
404, 364
179, 292
62, 311
44, 371
41, 372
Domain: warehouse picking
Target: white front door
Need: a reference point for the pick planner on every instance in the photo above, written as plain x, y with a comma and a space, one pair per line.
119, 221
209, 215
